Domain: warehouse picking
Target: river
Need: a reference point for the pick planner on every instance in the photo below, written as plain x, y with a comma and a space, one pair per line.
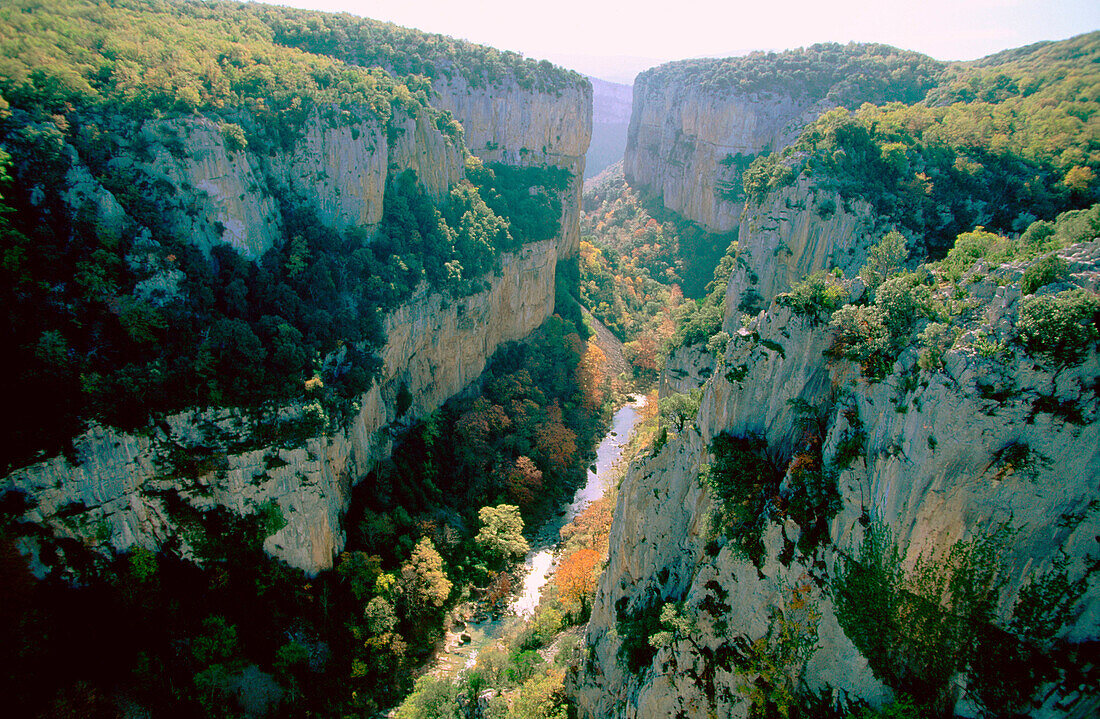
542, 560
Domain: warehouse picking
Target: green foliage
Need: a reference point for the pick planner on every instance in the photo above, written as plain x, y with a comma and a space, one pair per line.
1061, 327
874, 335
431, 698
766, 173
1047, 270
936, 339
635, 629
424, 584
143, 564
769, 678
844, 74
972, 246
745, 485
217, 643
405, 52
921, 628
234, 136
501, 533
703, 319
884, 260
155, 59
815, 297
270, 516
959, 159
679, 408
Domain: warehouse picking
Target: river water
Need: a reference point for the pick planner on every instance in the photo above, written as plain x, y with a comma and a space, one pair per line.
542, 560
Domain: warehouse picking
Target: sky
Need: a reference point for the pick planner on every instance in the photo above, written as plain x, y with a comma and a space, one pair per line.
614, 40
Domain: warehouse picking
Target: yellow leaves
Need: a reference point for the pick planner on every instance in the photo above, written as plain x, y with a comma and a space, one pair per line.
1079, 178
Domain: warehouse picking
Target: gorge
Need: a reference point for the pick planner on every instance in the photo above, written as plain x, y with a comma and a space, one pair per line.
310, 324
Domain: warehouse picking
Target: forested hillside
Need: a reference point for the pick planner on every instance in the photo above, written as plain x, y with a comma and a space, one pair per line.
89, 299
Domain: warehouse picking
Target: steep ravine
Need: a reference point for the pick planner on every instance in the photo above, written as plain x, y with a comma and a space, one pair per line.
931, 466
111, 487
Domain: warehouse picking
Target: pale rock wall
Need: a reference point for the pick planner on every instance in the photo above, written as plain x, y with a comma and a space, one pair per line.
793, 232
519, 126
436, 347
928, 471
679, 134
339, 170
686, 368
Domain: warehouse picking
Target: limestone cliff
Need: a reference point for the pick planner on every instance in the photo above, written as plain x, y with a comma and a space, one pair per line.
228, 183
990, 438
681, 136
511, 124
789, 234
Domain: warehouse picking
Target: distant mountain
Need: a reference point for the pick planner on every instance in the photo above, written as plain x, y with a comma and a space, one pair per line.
611, 104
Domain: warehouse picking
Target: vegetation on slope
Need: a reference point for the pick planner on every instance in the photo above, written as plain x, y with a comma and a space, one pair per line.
182, 630
845, 75
637, 264
1000, 158
115, 323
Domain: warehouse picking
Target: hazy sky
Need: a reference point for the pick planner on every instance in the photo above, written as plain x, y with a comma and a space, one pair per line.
566, 30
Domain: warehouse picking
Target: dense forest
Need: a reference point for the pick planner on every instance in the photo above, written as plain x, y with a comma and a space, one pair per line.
643, 269
845, 75
999, 143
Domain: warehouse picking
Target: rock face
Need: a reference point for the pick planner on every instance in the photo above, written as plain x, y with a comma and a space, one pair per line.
790, 234
518, 126
680, 135
931, 465
215, 193
114, 489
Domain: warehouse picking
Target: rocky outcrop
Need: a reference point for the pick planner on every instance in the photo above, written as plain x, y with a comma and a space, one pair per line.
791, 233
989, 440
684, 142
114, 488
511, 124
686, 368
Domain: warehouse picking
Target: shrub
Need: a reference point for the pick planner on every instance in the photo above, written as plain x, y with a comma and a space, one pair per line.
816, 297
920, 629
1061, 327
1049, 269
884, 260
745, 484
234, 136
635, 630
973, 246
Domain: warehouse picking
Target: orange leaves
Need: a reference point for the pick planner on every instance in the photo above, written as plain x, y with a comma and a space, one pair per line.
556, 442
591, 376
576, 576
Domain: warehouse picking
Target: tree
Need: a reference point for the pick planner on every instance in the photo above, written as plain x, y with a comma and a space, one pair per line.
501, 533
591, 377
576, 577
885, 259
523, 481
680, 408
423, 581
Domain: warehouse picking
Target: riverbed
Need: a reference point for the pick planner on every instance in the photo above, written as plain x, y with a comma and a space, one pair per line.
541, 561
